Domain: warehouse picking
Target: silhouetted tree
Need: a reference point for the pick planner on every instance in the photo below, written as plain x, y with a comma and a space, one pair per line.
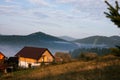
118, 46
87, 56
115, 51
100, 51
113, 13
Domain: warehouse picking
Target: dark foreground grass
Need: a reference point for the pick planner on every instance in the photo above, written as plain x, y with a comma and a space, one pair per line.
102, 69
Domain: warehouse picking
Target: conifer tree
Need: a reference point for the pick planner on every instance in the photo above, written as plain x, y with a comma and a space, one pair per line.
113, 13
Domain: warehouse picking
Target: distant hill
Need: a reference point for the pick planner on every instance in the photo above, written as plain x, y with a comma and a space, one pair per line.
67, 38
12, 44
100, 40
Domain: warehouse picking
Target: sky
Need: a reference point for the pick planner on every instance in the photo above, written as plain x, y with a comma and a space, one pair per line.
74, 18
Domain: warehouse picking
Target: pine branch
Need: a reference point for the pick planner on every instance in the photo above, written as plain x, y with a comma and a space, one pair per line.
113, 13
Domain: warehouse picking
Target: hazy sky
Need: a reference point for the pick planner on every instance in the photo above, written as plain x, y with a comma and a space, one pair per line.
75, 18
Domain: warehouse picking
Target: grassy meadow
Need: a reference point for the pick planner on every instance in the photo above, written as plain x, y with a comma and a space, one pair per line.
102, 68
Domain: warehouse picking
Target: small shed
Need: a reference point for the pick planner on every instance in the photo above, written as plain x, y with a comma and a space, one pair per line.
33, 56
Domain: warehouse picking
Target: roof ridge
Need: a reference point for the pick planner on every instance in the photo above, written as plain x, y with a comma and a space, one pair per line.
33, 47
2, 53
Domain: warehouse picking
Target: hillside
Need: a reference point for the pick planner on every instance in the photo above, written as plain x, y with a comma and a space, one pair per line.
39, 36
100, 40
10, 45
104, 68
67, 38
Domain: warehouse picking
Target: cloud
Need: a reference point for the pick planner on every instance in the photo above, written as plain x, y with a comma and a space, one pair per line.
6, 9
68, 15
39, 2
9, 9
8, 0
91, 8
49, 24
65, 1
40, 14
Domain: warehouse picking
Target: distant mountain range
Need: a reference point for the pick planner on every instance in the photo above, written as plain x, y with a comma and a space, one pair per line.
10, 45
67, 38
100, 40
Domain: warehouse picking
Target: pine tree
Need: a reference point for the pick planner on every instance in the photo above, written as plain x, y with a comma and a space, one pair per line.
113, 13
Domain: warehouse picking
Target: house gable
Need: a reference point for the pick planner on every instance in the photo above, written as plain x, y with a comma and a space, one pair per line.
1, 56
46, 57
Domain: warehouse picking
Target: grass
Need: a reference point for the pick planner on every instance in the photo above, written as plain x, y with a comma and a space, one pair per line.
104, 68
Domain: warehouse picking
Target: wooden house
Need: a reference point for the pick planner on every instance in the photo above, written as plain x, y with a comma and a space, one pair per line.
32, 56
2, 56
3, 66
62, 57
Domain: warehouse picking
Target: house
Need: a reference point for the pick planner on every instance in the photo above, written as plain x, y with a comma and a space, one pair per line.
2, 56
58, 60
32, 56
3, 66
62, 57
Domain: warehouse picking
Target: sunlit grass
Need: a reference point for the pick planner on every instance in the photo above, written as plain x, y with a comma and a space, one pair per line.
103, 68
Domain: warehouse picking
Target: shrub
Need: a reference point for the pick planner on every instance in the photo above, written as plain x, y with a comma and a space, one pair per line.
115, 51
87, 56
64, 57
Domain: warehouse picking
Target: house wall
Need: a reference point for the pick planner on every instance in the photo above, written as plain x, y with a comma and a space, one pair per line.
1, 56
46, 57
24, 62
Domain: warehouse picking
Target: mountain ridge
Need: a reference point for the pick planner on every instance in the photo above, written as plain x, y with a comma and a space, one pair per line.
11, 44
110, 41
67, 38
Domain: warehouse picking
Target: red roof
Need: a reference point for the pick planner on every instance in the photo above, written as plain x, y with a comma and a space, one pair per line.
32, 52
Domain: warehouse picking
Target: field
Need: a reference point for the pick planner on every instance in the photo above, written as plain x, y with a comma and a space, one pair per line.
102, 68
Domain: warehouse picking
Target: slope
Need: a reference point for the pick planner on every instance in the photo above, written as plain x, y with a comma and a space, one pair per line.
99, 40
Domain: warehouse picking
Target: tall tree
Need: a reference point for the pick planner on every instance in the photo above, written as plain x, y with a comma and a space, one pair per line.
113, 13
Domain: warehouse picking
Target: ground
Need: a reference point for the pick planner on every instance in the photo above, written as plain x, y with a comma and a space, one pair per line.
103, 68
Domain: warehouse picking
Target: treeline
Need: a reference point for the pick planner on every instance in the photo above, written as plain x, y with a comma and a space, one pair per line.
100, 51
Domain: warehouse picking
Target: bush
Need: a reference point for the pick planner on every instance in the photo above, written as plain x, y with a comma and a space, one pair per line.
64, 57
87, 56
115, 51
